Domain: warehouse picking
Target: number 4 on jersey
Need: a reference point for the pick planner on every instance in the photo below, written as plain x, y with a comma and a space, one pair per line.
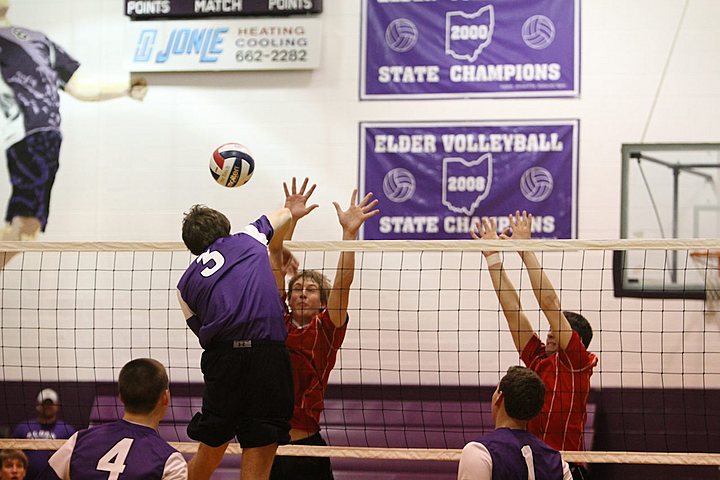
113, 461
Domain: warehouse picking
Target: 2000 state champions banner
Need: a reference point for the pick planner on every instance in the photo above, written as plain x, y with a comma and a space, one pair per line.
470, 48
434, 180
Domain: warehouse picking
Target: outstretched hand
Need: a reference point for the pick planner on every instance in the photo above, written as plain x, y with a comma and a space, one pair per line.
486, 229
521, 225
352, 219
296, 200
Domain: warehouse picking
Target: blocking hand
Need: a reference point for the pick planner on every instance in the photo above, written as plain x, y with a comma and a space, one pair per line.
352, 219
521, 225
296, 200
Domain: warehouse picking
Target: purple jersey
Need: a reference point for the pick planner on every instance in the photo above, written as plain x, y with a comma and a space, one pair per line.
513, 451
231, 289
119, 450
34, 430
33, 67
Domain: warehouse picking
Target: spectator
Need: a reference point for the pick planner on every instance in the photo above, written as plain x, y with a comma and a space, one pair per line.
45, 427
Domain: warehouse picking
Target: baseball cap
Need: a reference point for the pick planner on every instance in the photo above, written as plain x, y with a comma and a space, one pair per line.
48, 394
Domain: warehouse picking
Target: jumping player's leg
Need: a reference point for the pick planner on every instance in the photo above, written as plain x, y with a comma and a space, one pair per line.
207, 459
303, 468
32, 163
257, 462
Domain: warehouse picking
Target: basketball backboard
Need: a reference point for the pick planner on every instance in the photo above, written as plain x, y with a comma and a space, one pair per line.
668, 191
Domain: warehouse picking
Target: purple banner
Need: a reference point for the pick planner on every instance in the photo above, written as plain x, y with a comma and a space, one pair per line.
473, 48
434, 180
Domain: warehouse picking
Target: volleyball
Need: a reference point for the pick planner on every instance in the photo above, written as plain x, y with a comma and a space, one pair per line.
232, 165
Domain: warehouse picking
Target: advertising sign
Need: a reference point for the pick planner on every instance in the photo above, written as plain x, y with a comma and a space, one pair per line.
211, 45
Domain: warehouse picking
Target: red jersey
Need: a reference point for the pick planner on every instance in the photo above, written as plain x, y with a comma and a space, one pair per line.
566, 375
313, 350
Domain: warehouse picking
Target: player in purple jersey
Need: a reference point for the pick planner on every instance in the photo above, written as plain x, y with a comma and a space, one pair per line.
33, 68
131, 448
46, 426
229, 298
511, 452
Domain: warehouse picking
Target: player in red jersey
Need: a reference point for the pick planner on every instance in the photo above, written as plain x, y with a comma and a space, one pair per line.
563, 362
316, 322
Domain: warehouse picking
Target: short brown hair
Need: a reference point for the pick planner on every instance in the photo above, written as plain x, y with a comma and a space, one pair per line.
523, 393
141, 383
581, 326
202, 226
13, 454
317, 277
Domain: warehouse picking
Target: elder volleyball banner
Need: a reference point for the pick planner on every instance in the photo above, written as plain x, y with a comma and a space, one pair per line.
435, 180
470, 48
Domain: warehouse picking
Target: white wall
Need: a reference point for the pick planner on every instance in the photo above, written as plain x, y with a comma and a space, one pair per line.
128, 170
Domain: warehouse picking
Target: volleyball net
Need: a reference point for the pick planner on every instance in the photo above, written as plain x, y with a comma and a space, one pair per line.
425, 347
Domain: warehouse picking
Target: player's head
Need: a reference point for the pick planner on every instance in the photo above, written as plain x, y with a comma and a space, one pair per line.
521, 393
47, 405
307, 293
142, 383
581, 326
202, 226
13, 464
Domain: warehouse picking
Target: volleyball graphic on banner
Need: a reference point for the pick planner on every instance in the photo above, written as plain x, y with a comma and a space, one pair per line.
536, 184
401, 35
399, 185
538, 32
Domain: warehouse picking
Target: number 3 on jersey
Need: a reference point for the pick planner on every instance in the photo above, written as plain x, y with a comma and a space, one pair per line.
113, 461
529, 461
210, 256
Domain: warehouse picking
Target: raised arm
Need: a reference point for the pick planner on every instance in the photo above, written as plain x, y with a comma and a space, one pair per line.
547, 298
520, 327
90, 90
282, 260
351, 220
280, 221
296, 201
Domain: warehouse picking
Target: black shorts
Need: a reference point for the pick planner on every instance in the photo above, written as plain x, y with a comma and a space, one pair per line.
303, 468
248, 395
33, 163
